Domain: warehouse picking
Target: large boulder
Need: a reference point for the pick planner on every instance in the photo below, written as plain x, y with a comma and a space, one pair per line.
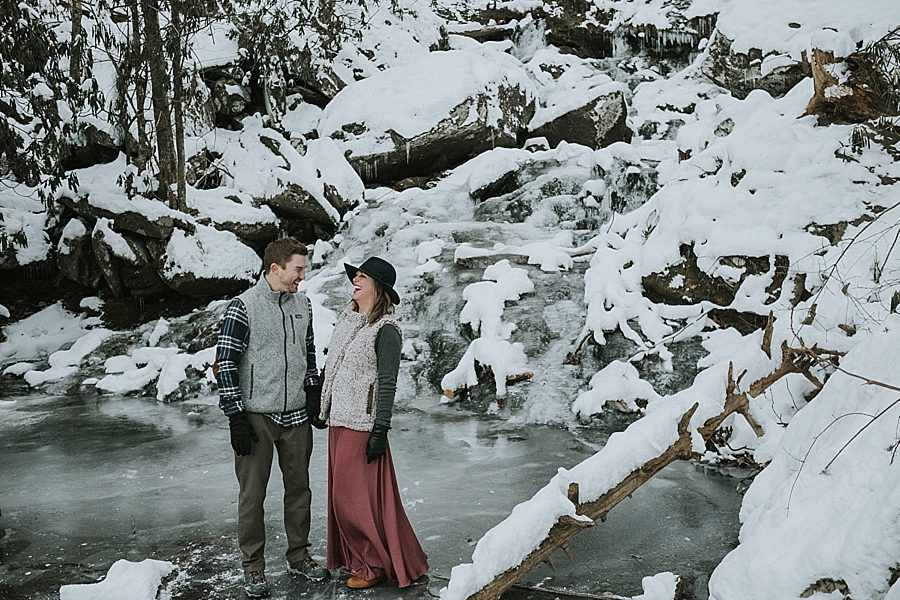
110, 250
324, 187
430, 115
577, 104
685, 283
208, 263
597, 123
97, 144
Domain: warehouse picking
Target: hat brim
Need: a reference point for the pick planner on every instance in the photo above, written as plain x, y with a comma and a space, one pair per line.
352, 271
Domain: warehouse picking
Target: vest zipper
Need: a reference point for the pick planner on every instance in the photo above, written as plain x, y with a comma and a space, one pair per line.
371, 399
284, 338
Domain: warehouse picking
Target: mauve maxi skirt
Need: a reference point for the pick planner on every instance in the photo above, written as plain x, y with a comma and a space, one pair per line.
368, 531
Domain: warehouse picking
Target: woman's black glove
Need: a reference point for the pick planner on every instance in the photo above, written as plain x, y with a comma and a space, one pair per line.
242, 434
377, 444
313, 405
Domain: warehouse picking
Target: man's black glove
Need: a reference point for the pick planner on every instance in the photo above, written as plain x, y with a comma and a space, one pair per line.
242, 434
377, 444
313, 405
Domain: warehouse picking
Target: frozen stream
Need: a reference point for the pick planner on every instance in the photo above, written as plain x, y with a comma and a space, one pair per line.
89, 479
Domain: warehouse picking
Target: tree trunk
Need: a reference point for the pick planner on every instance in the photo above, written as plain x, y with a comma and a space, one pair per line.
159, 80
137, 68
75, 58
177, 35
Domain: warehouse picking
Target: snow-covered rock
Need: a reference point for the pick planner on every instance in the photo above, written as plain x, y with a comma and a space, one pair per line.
208, 263
431, 114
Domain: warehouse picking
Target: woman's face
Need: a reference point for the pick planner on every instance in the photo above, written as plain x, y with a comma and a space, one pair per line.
364, 290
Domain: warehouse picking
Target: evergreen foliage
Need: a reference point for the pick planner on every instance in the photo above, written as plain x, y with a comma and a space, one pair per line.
39, 101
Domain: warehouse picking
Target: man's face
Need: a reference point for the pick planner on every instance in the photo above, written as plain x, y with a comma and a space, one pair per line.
288, 278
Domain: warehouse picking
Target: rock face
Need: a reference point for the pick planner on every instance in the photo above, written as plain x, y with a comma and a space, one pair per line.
686, 283
581, 26
589, 31
598, 123
75, 257
229, 96
135, 221
474, 105
207, 263
742, 73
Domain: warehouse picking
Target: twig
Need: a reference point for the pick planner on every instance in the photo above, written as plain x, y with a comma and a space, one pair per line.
855, 435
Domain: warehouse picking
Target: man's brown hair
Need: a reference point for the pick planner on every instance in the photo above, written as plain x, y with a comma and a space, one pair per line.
280, 252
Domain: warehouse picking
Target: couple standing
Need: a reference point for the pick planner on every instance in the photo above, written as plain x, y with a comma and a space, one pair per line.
271, 392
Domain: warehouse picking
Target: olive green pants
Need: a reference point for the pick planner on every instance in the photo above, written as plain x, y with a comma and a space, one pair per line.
294, 446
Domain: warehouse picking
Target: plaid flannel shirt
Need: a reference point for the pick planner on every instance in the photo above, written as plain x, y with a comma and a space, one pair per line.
232, 342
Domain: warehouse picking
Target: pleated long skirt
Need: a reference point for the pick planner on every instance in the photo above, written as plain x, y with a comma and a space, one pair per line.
368, 531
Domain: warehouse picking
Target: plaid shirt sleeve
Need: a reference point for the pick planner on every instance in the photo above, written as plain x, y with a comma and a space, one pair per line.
230, 348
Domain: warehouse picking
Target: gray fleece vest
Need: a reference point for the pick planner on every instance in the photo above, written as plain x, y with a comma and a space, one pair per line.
273, 367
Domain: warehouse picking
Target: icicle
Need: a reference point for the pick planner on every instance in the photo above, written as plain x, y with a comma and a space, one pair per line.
407, 151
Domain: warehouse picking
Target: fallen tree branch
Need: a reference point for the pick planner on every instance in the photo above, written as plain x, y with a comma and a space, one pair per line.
567, 527
793, 361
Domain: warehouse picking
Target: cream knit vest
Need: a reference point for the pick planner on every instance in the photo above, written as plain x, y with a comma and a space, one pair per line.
350, 389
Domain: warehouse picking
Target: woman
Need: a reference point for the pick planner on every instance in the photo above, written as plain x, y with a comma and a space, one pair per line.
368, 532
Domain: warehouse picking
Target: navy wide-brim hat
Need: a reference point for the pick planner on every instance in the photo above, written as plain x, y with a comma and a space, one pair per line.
381, 271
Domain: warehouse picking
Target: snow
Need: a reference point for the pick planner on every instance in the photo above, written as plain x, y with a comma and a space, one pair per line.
74, 229
741, 178
483, 311
114, 240
24, 215
442, 80
202, 254
65, 362
617, 381
824, 24
125, 580
831, 496
43, 333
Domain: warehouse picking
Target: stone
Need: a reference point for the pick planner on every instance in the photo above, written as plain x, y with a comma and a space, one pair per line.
296, 202
109, 263
483, 104
742, 73
207, 263
160, 226
598, 123
75, 257
685, 283
97, 146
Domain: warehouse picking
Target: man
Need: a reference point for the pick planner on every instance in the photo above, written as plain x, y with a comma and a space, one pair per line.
270, 391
